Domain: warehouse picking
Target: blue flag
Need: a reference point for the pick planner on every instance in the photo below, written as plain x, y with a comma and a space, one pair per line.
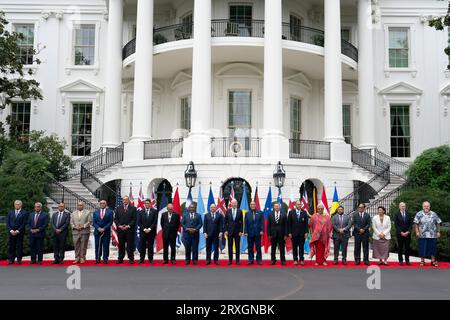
244, 208
267, 211
210, 202
201, 210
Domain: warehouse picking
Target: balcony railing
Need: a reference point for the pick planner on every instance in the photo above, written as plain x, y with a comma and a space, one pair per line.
252, 28
309, 149
235, 147
163, 148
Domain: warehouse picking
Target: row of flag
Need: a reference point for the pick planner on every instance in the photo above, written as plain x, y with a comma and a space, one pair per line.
222, 208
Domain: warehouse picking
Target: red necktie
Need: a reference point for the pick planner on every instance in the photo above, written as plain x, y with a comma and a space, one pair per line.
102, 214
125, 209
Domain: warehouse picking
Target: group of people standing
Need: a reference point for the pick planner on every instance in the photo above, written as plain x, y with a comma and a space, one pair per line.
296, 225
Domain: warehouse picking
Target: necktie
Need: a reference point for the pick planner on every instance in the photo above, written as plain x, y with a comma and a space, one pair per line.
17, 213
254, 214
170, 216
341, 219
298, 214
102, 213
125, 209
404, 217
192, 216
234, 214
58, 222
213, 216
147, 212
36, 218
277, 217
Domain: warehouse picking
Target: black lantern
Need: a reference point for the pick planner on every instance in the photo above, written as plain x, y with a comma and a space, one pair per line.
190, 175
279, 175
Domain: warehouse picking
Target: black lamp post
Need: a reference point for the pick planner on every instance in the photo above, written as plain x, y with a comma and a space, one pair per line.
279, 175
190, 175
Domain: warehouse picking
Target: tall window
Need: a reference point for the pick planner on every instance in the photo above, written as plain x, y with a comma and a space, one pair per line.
26, 45
347, 123
345, 34
242, 16
398, 47
187, 23
296, 122
400, 131
295, 24
20, 114
185, 113
239, 109
81, 129
84, 46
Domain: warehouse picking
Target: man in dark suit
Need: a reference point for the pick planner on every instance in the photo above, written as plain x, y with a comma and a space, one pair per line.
233, 226
361, 224
60, 224
37, 221
254, 229
125, 219
102, 221
341, 232
277, 232
192, 222
15, 223
170, 222
147, 222
298, 231
403, 226
213, 230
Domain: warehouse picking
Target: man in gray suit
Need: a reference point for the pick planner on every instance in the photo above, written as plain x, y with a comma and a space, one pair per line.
60, 224
341, 232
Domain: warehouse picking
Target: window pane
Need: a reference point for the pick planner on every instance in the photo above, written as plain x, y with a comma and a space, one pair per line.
81, 129
239, 107
398, 47
20, 114
400, 131
84, 46
347, 126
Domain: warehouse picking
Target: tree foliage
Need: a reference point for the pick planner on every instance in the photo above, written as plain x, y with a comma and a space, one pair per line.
439, 23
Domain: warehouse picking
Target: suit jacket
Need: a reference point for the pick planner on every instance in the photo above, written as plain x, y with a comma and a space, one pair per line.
297, 226
63, 224
346, 225
195, 223
84, 218
145, 222
403, 225
104, 223
233, 227
19, 223
277, 230
170, 228
363, 223
213, 227
254, 226
379, 227
41, 224
122, 218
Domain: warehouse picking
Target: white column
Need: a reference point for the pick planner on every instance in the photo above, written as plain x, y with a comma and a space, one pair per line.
365, 75
197, 145
143, 73
333, 72
113, 83
274, 143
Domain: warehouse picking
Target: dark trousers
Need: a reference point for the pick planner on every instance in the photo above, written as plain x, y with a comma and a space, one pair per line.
59, 246
169, 241
126, 237
15, 249
36, 248
210, 241
337, 243
274, 242
403, 247
147, 241
254, 241
298, 248
364, 242
191, 246
237, 241
102, 246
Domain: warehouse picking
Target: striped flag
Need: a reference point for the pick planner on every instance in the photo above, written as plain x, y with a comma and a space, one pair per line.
131, 195
324, 201
210, 202
335, 203
141, 199
186, 210
230, 199
267, 211
244, 208
222, 208
119, 202
288, 242
162, 209
201, 211
291, 207
305, 204
177, 209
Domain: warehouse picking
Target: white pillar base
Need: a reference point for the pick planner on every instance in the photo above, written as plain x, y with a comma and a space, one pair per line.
340, 152
197, 146
274, 146
133, 151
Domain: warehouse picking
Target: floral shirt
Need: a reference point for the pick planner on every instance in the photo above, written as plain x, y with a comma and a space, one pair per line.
427, 224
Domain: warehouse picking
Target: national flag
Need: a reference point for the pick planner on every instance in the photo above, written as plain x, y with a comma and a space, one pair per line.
267, 211
176, 206
201, 211
244, 208
335, 203
119, 202
291, 207
162, 209
210, 202
280, 202
130, 196
324, 201
141, 199
256, 200
305, 204
314, 200
139, 208
222, 208
186, 210
230, 199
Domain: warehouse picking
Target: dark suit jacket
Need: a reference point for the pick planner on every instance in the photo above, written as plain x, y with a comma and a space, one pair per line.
106, 223
363, 223
213, 227
253, 227
234, 227
41, 224
346, 224
145, 222
195, 223
170, 228
277, 230
297, 226
125, 218
17, 224
401, 225
64, 224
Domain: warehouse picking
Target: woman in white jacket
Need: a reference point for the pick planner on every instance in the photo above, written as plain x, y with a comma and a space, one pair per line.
381, 225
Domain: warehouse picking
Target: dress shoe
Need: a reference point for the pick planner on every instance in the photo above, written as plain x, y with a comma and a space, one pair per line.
165, 262
173, 261
229, 262
367, 263
408, 263
295, 263
141, 261
187, 262
216, 262
249, 262
39, 262
272, 263
259, 263
97, 261
357, 262
335, 262
302, 263
131, 261
238, 262
400, 263
105, 261
344, 262
208, 262
151, 261
119, 261
32, 262
10, 262
19, 261
55, 262
283, 263
194, 262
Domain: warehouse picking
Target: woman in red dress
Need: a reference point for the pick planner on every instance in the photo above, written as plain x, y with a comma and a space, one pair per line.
320, 226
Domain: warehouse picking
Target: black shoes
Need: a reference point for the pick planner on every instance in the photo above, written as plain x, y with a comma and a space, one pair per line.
11, 262
188, 261
208, 262
141, 261
229, 262
194, 262
357, 262
259, 263
344, 262
119, 261
272, 263
165, 262
32, 262
283, 263
366, 262
173, 262
335, 262
250, 262
408, 263
216, 262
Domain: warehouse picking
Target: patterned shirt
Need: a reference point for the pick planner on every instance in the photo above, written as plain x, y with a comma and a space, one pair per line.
427, 224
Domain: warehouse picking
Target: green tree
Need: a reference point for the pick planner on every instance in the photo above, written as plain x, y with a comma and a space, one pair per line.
439, 23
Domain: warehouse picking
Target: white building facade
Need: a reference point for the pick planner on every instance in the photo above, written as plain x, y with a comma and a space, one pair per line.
235, 87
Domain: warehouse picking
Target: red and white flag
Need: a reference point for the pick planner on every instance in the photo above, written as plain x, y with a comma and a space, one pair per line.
305, 204
141, 200
324, 201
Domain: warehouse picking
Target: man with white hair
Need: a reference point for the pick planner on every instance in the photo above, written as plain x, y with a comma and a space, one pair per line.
37, 222
403, 226
15, 223
233, 227
81, 220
